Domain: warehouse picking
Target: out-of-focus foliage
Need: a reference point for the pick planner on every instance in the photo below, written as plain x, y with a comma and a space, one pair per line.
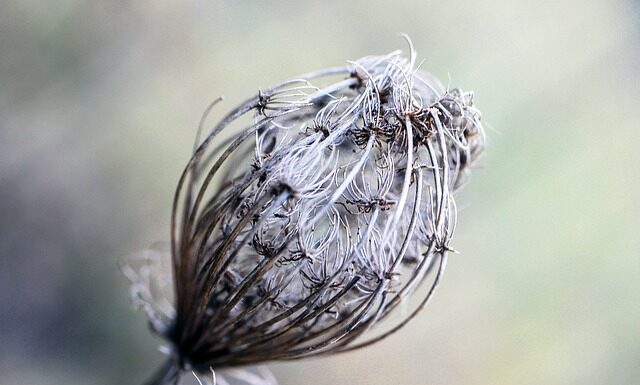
98, 107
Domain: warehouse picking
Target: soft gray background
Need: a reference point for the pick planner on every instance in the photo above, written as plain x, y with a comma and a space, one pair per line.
98, 107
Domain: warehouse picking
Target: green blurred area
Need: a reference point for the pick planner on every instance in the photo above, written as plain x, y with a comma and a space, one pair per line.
98, 107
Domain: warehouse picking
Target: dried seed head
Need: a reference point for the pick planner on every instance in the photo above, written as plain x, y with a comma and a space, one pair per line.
297, 233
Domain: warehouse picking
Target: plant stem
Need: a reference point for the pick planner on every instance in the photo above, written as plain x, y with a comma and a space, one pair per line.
167, 374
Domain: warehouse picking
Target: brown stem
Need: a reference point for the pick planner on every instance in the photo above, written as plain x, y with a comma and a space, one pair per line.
167, 374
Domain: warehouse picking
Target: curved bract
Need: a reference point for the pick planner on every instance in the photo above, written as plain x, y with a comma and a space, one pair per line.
312, 210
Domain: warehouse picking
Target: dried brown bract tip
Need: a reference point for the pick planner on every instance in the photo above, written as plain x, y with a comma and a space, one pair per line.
302, 229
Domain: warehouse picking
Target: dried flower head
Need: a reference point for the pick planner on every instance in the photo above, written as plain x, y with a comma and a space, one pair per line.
293, 236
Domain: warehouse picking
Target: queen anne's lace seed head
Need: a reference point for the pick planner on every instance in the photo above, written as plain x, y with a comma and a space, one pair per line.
294, 235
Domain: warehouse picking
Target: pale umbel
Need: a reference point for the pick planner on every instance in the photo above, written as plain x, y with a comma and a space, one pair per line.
296, 231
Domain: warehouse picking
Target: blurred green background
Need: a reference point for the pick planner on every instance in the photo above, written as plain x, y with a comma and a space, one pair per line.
98, 107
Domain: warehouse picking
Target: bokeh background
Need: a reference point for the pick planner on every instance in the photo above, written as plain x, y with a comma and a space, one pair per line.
98, 107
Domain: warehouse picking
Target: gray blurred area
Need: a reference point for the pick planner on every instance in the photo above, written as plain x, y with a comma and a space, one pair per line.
98, 107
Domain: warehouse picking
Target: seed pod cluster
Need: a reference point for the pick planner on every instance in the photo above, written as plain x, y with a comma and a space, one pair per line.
311, 211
